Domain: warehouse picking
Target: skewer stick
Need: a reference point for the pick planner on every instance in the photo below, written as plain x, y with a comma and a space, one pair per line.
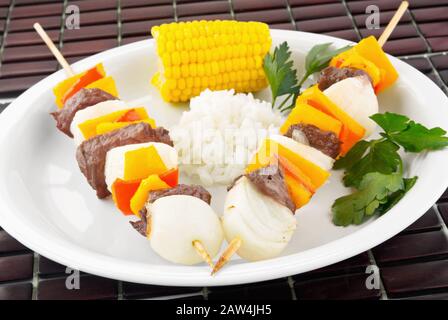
393, 23
57, 54
200, 249
233, 247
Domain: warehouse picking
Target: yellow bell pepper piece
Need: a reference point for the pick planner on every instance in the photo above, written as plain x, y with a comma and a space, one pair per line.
106, 127
270, 148
106, 84
351, 132
141, 163
153, 182
370, 50
356, 61
89, 127
61, 88
304, 113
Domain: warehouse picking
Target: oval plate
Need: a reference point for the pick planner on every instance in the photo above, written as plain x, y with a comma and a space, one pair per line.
47, 205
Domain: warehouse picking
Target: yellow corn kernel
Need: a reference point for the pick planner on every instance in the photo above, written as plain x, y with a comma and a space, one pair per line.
210, 54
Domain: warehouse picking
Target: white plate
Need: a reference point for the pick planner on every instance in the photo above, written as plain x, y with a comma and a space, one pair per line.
46, 204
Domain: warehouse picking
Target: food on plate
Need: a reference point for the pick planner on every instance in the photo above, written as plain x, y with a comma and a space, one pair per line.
138, 161
180, 225
217, 137
326, 142
356, 97
229, 137
216, 55
259, 211
343, 108
375, 168
82, 99
305, 168
330, 75
282, 76
104, 117
93, 78
368, 56
88, 106
91, 154
133, 170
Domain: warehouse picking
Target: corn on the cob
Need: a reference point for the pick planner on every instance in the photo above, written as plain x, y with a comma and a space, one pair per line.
216, 55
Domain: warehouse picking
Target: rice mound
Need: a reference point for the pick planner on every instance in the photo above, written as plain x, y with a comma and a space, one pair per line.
218, 136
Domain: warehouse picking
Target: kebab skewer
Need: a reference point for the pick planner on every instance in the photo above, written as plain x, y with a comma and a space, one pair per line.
121, 152
330, 118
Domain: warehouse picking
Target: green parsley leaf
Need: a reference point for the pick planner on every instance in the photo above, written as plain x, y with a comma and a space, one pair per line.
417, 138
319, 57
391, 122
375, 168
380, 156
281, 75
353, 156
397, 195
412, 136
374, 191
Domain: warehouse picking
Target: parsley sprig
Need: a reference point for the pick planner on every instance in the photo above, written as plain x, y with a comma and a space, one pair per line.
282, 76
375, 169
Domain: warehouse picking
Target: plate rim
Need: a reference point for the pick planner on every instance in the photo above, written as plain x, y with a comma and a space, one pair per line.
175, 275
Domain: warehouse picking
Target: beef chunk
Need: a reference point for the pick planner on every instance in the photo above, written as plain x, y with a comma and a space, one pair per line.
181, 189
271, 182
325, 141
91, 154
142, 224
82, 99
331, 75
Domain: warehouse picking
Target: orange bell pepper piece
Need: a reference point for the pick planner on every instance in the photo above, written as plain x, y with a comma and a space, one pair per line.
122, 193
62, 87
171, 177
90, 76
300, 195
270, 148
130, 116
296, 173
351, 131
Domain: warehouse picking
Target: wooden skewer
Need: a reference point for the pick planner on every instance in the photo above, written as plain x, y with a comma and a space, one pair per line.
57, 54
393, 23
200, 249
233, 247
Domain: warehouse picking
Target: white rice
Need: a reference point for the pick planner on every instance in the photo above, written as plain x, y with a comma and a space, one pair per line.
217, 138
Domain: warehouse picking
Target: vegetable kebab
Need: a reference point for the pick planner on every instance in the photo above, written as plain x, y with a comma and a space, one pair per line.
345, 97
122, 153
328, 120
259, 209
